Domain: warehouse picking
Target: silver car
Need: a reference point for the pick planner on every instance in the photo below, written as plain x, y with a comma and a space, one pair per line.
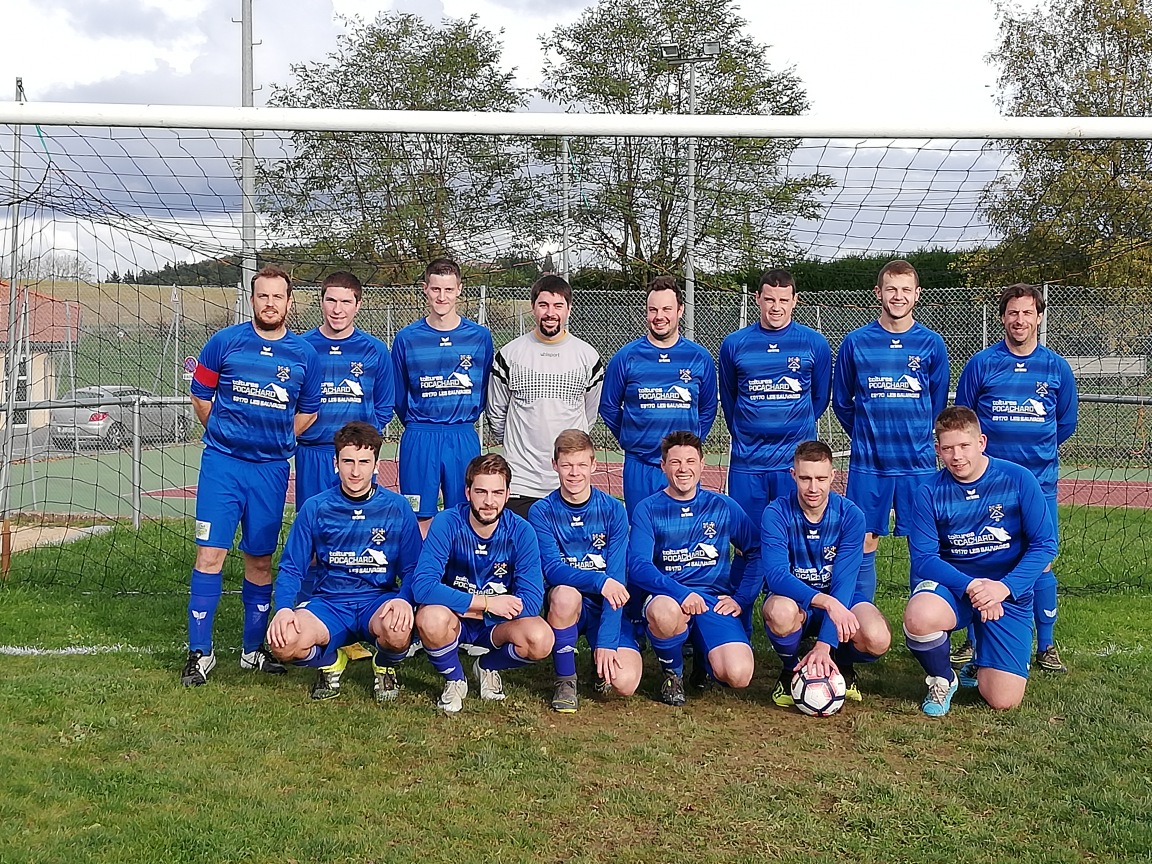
111, 425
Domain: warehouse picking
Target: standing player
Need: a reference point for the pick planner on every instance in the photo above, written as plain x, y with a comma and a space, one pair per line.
478, 581
543, 382
890, 381
366, 542
1025, 397
811, 546
981, 537
355, 383
678, 552
654, 385
442, 363
583, 536
775, 383
256, 389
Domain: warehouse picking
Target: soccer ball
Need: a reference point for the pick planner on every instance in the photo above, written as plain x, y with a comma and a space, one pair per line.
818, 696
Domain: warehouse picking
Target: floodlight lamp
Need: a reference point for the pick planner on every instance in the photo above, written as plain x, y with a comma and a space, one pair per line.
669, 51
710, 50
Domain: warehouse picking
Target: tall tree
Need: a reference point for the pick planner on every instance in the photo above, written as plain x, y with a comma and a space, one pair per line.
396, 200
1078, 211
631, 205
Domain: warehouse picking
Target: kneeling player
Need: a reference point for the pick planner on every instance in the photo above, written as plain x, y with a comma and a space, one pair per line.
583, 536
981, 537
366, 542
812, 546
678, 552
479, 581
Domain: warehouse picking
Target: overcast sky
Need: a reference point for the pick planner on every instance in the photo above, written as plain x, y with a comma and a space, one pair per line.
856, 59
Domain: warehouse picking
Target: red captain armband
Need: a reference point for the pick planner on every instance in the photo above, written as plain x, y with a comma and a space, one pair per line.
204, 375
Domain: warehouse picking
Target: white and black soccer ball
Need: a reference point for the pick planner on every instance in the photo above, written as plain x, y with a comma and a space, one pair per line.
818, 695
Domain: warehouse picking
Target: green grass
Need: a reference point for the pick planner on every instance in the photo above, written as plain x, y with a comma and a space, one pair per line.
106, 758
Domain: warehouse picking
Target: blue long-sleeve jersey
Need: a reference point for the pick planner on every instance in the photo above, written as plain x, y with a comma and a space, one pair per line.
774, 386
887, 389
257, 387
583, 546
441, 376
356, 383
995, 527
1027, 406
650, 391
678, 547
456, 563
801, 559
364, 548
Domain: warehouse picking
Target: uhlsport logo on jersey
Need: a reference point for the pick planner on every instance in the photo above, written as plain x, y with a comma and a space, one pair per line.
990, 538
700, 555
1012, 411
661, 397
891, 387
770, 389
591, 561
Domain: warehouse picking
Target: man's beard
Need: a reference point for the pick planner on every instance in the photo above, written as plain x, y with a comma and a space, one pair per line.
263, 325
476, 515
550, 330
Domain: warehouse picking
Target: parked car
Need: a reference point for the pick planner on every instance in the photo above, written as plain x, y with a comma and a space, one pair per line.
111, 425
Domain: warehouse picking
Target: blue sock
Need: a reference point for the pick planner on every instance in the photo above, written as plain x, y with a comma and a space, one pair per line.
848, 655
786, 648
866, 581
932, 653
504, 657
446, 660
319, 656
564, 654
387, 657
202, 603
257, 600
1044, 608
670, 652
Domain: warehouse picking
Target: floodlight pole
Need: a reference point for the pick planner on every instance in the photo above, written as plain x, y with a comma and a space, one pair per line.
565, 203
248, 151
690, 219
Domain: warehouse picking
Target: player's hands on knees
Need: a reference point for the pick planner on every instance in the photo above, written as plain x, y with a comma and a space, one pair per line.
818, 662
505, 605
987, 592
693, 605
992, 613
847, 624
283, 629
608, 664
727, 606
397, 615
614, 592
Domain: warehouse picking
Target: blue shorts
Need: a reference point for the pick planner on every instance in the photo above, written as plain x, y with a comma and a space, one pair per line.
877, 496
315, 471
1053, 512
754, 491
711, 630
1005, 644
641, 481
433, 458
347, 621
814, 618
589, 624
233, 492
478, 631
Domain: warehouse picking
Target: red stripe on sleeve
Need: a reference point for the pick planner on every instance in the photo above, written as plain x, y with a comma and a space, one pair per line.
204, 375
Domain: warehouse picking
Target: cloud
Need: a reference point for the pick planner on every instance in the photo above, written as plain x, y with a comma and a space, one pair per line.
430, 10
118, 19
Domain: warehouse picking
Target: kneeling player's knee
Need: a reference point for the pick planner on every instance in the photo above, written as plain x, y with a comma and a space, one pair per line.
782, 616
397, 640
536, 641
564, 605
437, 625
735, 669
1002, 701
874, 639
665, 617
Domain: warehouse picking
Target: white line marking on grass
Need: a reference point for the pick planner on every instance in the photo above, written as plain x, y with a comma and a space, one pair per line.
72, 650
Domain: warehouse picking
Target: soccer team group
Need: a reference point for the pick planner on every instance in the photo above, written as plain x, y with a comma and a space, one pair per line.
527, 555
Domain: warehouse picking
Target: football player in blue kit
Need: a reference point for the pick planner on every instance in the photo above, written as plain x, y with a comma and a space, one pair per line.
811, 546
256, 388
890, 381
656, 384
775, 383
981, 538
583, 536
366, 542
478, 581
442, 364
679, 555
1025, 396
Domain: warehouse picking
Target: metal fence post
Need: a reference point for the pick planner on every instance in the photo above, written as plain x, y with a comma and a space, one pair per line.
136, 462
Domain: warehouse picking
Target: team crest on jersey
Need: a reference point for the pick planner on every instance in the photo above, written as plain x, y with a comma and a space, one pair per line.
971, 494
266, 351
356, 368
685, 375
829, 553
793, 364
599, 541
995, 512
685, 512
465, 361
379, 535
709, 530
914, 362
445, 341
1041, 388
500, 569
663, 359
283, 373
481, 549
896, 343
